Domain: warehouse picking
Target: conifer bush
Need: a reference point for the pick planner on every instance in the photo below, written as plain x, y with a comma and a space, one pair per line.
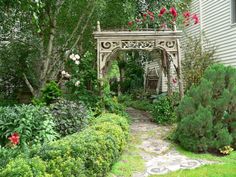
207, 113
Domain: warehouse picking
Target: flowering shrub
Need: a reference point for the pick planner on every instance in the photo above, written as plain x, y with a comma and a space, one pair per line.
25, 125
163, 16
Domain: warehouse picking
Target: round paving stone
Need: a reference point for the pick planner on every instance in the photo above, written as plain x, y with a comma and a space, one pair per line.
158, 170
189, 164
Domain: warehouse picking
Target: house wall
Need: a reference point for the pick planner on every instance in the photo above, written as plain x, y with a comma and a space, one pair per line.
216, 25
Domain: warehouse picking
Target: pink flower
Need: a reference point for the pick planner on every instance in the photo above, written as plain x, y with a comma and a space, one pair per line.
150, 13
14, 138
196, 19
173, 12
186, 14
162, 12
152, 18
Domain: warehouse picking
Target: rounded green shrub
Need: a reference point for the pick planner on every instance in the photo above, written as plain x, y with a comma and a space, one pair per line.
90, 152
115, 119
23, 167
207, 112
69, 117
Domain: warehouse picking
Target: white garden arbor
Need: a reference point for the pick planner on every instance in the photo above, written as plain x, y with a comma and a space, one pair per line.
109, 42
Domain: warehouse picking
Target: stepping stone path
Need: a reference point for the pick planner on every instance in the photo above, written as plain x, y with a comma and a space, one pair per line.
159, 155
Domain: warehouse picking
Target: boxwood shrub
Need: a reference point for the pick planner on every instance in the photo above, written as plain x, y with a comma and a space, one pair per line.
88, 153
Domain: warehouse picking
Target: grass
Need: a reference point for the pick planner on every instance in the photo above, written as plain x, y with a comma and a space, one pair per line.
219, 170
131, 162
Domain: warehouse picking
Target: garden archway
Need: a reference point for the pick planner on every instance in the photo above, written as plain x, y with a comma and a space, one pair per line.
109, 42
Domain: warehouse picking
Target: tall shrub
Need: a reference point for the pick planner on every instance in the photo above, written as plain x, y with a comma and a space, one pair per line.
208, 111
196, 59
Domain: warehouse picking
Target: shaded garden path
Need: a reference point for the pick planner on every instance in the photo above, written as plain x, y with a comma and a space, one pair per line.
159, 156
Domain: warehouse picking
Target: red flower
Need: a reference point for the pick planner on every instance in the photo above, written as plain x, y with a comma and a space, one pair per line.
173, 12
144, 15
196, 19
186, 14
162, 11
130, 23
174, 80
14, 138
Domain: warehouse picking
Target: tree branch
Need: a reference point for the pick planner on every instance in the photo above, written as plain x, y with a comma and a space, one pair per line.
29, 84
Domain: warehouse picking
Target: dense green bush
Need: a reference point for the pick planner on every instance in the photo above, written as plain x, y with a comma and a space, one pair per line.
88, 153
163, 110
207, 113
69, 116
25, 167
34, 124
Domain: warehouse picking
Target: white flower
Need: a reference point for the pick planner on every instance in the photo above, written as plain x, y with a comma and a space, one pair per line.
77, 62
77, 56
63, 72
67, 75
77, 83
72, 57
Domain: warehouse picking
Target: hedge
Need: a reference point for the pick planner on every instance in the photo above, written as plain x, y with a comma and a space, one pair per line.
91, 152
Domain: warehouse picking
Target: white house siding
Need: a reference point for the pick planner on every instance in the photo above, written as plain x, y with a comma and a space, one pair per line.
215, 23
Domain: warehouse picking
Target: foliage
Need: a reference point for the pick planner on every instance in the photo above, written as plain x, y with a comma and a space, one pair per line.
34, 124
69, 117
196, 60
25, 167
109, 103
207, 112
50, 94
164, 111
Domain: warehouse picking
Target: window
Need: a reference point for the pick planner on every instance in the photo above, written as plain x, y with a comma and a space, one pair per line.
233, 4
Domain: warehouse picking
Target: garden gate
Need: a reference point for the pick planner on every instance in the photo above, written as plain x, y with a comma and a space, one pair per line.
109, 42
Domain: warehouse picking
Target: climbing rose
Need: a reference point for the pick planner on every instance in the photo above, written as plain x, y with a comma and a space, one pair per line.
196, 19
173, 12
186, 14
162, 11
14, 138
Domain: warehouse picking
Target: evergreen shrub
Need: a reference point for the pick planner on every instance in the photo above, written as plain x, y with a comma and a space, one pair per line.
207, 113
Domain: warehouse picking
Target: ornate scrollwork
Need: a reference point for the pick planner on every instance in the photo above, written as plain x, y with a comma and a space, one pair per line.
168, 45
138, 44
109, 45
